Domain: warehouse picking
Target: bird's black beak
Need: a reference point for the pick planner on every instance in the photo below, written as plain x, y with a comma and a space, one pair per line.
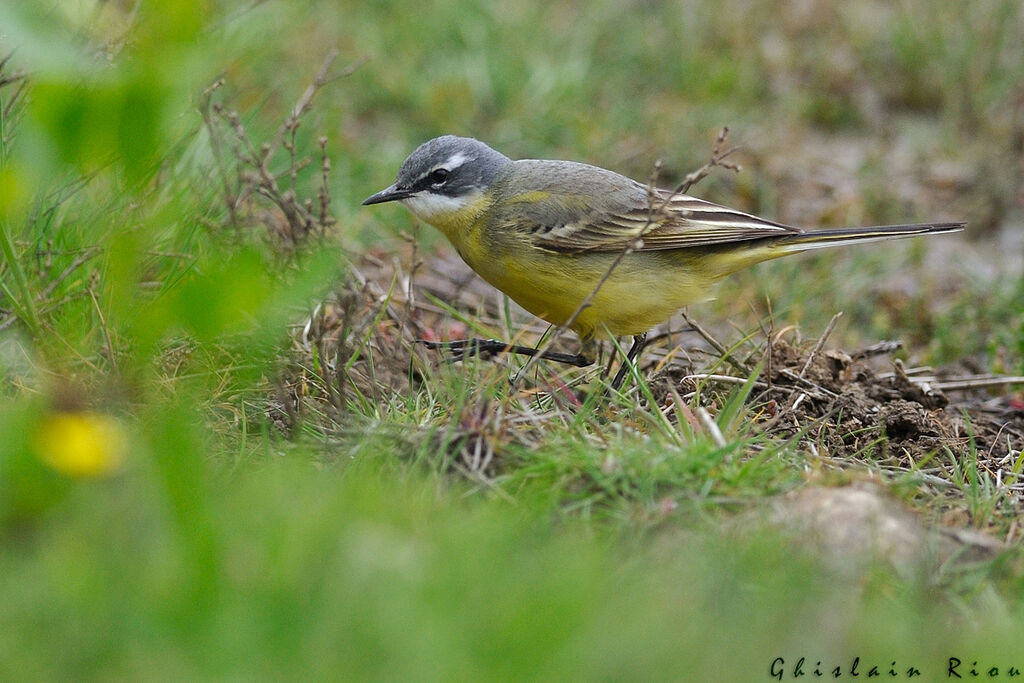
388, 194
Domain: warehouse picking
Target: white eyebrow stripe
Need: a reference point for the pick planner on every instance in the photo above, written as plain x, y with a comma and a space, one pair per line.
453, 162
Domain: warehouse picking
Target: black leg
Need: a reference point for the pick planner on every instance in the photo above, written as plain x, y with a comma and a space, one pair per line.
639, 341
464, 348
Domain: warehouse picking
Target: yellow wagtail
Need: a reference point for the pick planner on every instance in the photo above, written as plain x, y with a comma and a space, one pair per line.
547, 233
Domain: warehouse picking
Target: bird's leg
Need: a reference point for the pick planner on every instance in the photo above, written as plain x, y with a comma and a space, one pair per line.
464, 348
639, 341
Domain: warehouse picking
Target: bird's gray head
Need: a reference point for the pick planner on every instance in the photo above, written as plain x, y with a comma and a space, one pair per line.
443, 175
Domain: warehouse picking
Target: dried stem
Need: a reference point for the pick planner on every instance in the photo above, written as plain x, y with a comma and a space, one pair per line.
254, 176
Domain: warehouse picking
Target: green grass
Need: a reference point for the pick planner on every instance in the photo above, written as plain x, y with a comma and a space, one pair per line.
339, 503
375, 571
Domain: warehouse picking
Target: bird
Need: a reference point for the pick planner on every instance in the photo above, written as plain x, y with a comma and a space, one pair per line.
588, 248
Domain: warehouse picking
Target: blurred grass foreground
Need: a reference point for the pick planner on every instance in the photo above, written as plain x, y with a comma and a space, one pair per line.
221, 456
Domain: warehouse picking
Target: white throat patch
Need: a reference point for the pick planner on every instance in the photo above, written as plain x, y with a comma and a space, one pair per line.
429, 206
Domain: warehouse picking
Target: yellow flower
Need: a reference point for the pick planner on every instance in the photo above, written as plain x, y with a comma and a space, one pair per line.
81, 444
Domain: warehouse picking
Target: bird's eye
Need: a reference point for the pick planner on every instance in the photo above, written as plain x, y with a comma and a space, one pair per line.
438, 175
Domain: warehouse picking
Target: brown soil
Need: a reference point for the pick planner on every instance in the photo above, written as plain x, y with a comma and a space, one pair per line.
850, 410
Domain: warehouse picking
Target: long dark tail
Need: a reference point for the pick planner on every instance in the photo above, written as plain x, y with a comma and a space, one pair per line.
818, 239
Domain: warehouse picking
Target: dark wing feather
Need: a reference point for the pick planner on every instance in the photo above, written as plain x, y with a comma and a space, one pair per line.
665, 221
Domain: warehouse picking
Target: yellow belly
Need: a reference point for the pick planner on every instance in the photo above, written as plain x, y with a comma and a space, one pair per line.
644, 290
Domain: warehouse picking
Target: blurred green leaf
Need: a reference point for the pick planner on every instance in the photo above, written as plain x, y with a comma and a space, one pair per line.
28, 487
92, 125
223, 296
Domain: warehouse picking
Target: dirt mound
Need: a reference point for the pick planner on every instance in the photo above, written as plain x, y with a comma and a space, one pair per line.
851, 410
